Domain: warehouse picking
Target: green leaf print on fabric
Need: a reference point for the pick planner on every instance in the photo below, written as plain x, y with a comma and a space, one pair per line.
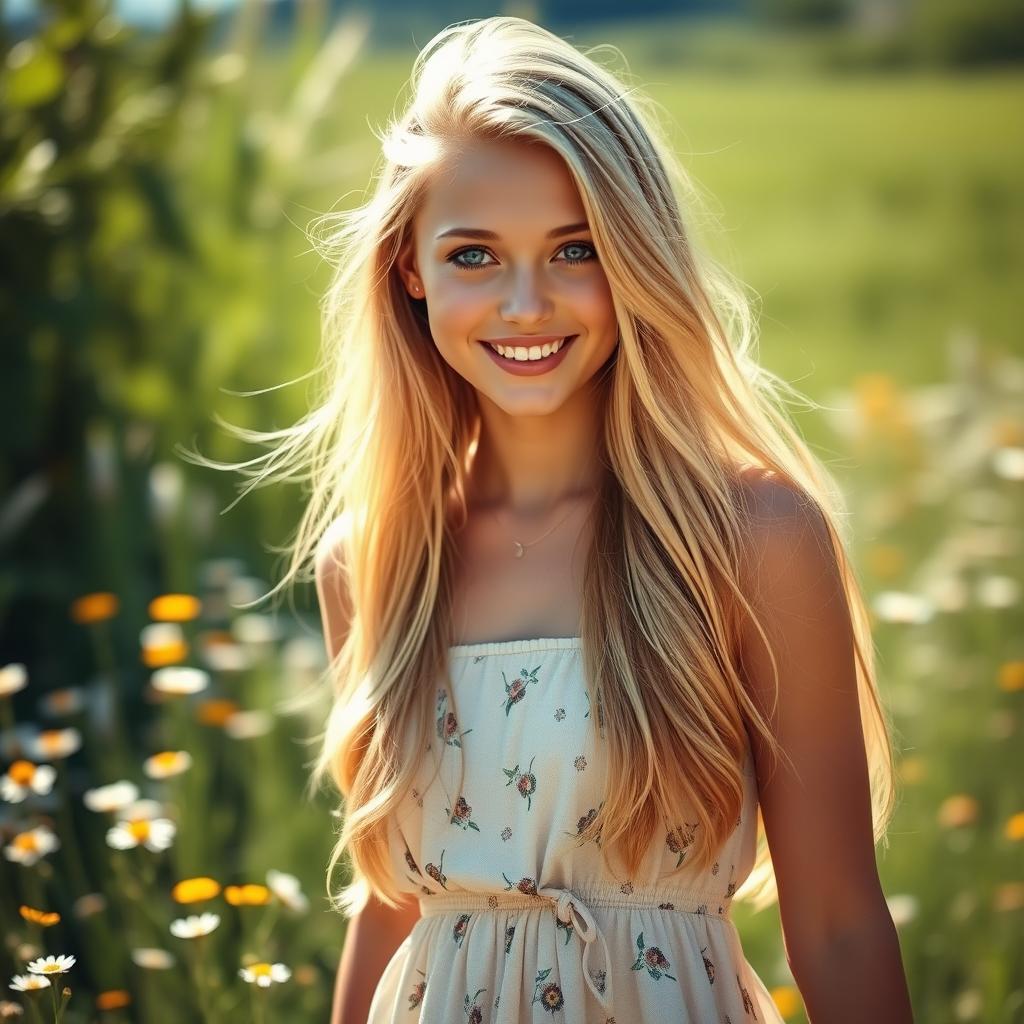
524, 885
526, 782
679, 839
652, 959
516, 690
549, 996
435, 872
447, 724
460, 816
459, 930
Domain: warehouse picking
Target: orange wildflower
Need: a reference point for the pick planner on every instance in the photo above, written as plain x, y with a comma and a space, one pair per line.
175, 608
40, 917
97, 607
113, 999
194, 890
247, 895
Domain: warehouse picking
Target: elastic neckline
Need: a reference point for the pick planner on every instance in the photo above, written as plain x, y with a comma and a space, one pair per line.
538, 643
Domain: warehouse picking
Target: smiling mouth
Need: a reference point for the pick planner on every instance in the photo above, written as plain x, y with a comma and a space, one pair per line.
529, 353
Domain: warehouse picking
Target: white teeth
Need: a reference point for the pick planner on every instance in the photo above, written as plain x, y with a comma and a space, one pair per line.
522, 354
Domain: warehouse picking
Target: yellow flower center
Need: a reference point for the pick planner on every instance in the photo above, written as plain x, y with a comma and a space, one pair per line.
51, 740
139, 829
52, 968
26, 842
166, 759
21, 772
261, 970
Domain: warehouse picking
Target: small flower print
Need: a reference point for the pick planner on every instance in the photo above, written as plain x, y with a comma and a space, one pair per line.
748, 1003
709, 967
506, 834
418, 991
585, 821
510, 932
524, 885
549, 996
565, 926
416, 795
516, 690
626, 888
666, 906
679, 839
651, 959
435, 872
492, 901
580, 763
714, 868
474, 1015
459, 931
559, 714
447, 723
410, 861
526, 782
460, 816
599, 978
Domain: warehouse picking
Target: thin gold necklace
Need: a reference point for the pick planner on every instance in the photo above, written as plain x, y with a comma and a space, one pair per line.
519, 548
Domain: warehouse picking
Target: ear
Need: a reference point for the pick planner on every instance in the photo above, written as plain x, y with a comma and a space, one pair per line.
408, 269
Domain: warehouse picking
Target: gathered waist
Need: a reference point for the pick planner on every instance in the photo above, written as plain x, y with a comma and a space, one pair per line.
594, 894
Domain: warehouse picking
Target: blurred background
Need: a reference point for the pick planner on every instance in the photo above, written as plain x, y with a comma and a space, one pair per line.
160, 163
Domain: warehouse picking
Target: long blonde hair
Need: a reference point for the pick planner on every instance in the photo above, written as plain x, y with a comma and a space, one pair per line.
384, 451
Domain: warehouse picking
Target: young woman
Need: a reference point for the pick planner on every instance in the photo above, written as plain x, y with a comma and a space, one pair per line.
601, 666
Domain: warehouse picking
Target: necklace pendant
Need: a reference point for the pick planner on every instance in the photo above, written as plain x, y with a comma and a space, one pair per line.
519, 549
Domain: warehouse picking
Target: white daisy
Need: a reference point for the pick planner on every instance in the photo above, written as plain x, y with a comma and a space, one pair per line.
152, 959
264, 974
143, 809
179, 679
167, 763
51, 744
24, 777
248, 725
28, 983
111, 798
27, 847
13, 677
51, 964
288, 890
156, 834
194, 926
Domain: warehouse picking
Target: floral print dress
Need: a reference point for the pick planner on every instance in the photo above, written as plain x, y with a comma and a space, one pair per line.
518, 923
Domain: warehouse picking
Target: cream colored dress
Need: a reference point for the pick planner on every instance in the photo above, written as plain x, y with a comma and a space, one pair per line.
519, 925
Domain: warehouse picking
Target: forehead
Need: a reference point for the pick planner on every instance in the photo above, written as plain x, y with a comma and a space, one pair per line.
513, 187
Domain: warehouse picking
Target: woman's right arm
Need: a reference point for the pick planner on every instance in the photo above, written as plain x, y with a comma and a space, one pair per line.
377, 931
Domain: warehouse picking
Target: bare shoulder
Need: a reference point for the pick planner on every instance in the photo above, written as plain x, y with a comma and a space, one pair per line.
331, 579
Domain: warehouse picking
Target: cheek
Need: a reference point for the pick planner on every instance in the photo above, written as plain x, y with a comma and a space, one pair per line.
456, 309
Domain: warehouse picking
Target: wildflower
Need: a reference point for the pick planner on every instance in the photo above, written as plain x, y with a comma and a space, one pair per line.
113, 999
27, 847
894, 606
24, 777
248, 725
215, 712
155, 835
222, 654
179, 680
247, 895
264, 974
9, 1010
1015, 827
1011, 676
254, 629
28, 982
956, 811
40, 917
53, 744
167, 763
96, 607
786, 999
143, 810
52, 964
68, 700
163, 643
194, 890
195, 926
151, 959
902, 908
13, 678
89, 905
288, 890
111, 798
175, 607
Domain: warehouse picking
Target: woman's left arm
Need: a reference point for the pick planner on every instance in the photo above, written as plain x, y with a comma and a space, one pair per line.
841, 943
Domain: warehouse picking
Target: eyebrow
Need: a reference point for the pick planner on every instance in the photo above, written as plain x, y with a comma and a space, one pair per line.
567, 229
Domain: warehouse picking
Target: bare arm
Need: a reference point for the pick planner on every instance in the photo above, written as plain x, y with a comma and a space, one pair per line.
376, 932
839, 936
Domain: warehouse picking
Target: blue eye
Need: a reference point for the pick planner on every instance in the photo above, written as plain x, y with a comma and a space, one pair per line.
455, 261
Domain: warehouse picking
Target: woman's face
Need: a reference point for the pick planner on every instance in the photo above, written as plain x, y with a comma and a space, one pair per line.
501, 252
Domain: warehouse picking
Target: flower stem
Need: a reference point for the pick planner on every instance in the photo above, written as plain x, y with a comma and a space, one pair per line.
32, 1001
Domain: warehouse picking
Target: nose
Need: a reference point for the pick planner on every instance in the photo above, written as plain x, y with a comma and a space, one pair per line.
527, 303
